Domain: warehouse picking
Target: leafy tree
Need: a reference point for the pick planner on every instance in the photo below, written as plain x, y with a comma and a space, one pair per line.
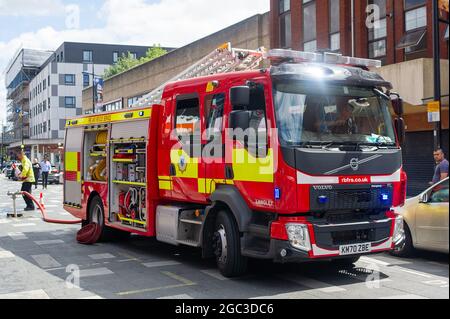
127, 61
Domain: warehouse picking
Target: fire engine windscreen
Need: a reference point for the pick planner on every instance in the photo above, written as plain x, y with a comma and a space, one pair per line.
310, 114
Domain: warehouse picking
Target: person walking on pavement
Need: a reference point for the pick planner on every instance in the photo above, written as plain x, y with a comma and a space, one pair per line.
27, 179
441, 171
46, 167
36, 171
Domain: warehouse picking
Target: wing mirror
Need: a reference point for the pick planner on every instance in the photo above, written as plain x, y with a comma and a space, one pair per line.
240, 120
397, 104
400, 128
240, 97
425, 198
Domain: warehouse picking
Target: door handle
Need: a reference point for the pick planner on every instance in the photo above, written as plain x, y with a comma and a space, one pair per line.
173, 170
229, 173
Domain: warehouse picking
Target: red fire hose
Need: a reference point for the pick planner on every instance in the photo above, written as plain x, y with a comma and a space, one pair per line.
88, 235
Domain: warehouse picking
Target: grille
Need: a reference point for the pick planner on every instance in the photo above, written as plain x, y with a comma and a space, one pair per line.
350, 199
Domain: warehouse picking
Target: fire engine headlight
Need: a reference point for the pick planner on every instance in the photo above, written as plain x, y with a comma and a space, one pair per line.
299, 236
399, 231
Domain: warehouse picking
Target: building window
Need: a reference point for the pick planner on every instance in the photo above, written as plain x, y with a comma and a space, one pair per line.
115, 57
310, 46
378, 33
45, 84
70, 102
133, 55
48, 104
44, 127
44, 105
335, 36
69, 79
416, 18
86, 80
309, 25
285, 23
415, 38
377, 49
87, 56
48, 80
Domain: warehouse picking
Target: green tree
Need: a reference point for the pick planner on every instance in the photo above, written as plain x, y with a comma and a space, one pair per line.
127, 61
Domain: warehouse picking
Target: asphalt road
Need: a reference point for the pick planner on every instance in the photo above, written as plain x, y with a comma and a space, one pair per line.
39, 260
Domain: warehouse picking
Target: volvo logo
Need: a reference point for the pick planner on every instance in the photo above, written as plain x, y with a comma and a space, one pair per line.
354, 164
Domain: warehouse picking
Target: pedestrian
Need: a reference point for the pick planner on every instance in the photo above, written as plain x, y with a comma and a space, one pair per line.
27, 179
36, 171
441, 171
46, 167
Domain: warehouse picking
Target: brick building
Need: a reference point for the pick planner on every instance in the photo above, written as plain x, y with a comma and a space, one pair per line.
403, 31
397, 32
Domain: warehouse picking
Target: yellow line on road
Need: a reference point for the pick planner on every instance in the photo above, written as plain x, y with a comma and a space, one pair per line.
184, 283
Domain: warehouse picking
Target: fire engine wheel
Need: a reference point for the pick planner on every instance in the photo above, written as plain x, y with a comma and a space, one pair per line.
227, 247
97, 215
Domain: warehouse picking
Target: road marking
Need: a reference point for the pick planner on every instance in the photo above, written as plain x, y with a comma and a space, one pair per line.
49, 242
177, 297
440, 283
46, 261
6, 254
4, 221
34, 294
369, 260
161, 264
416, 273
410, 296
102, 256
215, 274
312, 284
95, 272
184, 283
17, 236
91, 297
24, 225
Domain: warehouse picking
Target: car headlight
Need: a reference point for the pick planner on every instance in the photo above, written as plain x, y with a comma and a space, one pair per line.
299, 236
399, 230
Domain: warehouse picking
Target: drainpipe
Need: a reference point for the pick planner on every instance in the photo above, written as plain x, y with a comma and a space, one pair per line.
353, 26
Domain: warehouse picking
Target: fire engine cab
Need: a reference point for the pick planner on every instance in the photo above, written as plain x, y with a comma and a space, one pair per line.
293, 162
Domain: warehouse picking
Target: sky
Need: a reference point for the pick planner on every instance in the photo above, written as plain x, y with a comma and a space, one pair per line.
46, 24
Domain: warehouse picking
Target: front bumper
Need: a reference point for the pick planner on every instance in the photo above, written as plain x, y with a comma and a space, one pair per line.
325, 240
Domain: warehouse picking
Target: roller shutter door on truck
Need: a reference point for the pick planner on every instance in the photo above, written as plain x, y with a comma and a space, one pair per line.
73, 164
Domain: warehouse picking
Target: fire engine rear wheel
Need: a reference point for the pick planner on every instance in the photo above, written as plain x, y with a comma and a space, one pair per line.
227, 246
97, 215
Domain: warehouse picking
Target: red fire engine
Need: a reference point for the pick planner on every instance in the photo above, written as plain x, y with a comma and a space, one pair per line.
297, 161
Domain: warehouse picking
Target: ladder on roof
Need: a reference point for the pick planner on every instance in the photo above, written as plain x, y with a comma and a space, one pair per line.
224, 59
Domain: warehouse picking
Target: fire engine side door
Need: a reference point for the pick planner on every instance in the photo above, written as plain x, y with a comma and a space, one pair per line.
185, 155
73, 166
253, 160
213, 154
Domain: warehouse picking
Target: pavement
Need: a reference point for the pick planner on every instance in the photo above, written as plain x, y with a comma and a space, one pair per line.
42, 261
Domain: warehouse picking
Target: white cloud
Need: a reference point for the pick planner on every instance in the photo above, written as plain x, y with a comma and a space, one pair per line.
28, 8
167, 22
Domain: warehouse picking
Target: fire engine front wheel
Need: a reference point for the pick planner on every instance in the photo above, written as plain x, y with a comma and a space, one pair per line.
227, 246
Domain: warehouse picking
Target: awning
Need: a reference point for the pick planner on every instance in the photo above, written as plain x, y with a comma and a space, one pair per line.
412, 39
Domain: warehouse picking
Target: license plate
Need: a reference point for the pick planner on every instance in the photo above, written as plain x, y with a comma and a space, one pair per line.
355, 249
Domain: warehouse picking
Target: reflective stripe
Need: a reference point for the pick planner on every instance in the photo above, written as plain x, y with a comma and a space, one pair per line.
248, 168
208, 185
73, 167
110, 118
304, 179
165, 185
